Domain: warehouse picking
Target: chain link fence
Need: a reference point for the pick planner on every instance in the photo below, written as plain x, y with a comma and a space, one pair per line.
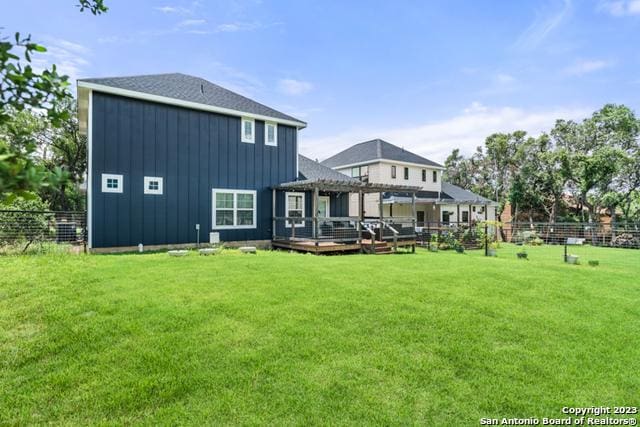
21, 231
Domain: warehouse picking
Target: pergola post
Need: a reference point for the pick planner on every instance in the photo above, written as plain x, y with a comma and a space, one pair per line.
381, 207
316, 200
413, 219
413, 206
273, 214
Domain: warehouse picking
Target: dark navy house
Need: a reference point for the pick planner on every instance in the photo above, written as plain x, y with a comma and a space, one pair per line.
173, 158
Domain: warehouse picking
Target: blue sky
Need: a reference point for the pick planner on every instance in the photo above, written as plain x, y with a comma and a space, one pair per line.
429, 76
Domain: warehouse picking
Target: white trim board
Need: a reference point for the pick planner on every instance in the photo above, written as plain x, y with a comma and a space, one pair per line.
187, 104
89, 224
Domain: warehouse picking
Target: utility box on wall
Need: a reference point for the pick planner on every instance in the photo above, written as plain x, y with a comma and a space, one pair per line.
214, 238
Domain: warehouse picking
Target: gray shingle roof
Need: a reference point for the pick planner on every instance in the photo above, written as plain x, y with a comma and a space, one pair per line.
461, 195
374, 150
193, 89
312, 171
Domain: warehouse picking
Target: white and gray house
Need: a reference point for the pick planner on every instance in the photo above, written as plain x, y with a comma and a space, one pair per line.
378, 161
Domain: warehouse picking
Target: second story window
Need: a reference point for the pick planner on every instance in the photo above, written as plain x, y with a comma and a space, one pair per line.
406, 173
435, 176
393, 172
271, 134
424, 175
248, 130
360, 172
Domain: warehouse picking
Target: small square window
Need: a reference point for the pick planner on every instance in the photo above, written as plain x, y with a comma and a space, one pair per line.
111, 183
424, 175
393, 172
435, 176
406, 173
152, 185
271, 134
247, 130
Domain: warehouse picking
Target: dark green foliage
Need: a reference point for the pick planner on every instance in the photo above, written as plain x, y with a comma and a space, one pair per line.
27, 223
23, 88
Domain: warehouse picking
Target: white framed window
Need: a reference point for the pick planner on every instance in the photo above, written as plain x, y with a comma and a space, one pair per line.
271, 134
248, 130
152, 185
234, 209
112, 183
294, 208
324, 207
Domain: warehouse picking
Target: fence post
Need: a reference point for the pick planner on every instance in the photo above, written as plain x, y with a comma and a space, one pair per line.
486, 239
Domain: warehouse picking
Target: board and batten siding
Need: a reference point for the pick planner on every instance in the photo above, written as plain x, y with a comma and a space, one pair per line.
194, 152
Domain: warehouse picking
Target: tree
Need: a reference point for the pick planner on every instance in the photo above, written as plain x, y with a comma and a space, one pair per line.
458, 170
597, 151
23, 88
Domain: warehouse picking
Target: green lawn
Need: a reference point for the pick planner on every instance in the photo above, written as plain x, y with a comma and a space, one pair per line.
279, 338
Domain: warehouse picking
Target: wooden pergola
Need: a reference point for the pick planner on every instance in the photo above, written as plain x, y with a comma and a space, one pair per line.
340, 186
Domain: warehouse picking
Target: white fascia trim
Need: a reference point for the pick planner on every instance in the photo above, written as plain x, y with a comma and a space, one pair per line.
90, 171
187, 104
392, 162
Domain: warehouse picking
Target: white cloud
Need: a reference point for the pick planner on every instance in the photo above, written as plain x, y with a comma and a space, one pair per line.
191, 22
69, 58
173, 9
234, 27
475, 107
621, 7
542, 26
586, 66
504, 79
294, 87
436, 139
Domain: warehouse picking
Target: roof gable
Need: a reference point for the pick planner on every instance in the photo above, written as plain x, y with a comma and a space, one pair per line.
191, 89
376, 149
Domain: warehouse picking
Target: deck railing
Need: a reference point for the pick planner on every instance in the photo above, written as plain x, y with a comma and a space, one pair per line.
333, 229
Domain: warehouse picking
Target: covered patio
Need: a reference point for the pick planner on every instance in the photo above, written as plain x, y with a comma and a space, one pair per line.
329, 228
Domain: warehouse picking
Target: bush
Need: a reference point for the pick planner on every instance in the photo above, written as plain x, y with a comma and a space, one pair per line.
26, 223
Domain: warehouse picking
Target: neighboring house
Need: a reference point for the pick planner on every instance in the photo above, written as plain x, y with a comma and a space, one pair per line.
173, 157
378, 161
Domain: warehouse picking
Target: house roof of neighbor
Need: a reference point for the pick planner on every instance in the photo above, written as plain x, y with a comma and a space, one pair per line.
373, 150
450, 194
311, 170
312, 174
193, 90
459, 194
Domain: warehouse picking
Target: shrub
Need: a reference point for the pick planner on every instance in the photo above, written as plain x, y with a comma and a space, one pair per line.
25, 222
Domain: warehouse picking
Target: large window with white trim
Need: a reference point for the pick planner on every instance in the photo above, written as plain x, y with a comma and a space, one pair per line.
294, 207
234, 209
248, 130
271, 134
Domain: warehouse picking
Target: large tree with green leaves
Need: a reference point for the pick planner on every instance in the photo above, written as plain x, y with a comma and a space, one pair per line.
596, 161
23, 88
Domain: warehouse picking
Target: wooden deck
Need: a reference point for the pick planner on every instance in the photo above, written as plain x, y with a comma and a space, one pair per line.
316, 247
311, 246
